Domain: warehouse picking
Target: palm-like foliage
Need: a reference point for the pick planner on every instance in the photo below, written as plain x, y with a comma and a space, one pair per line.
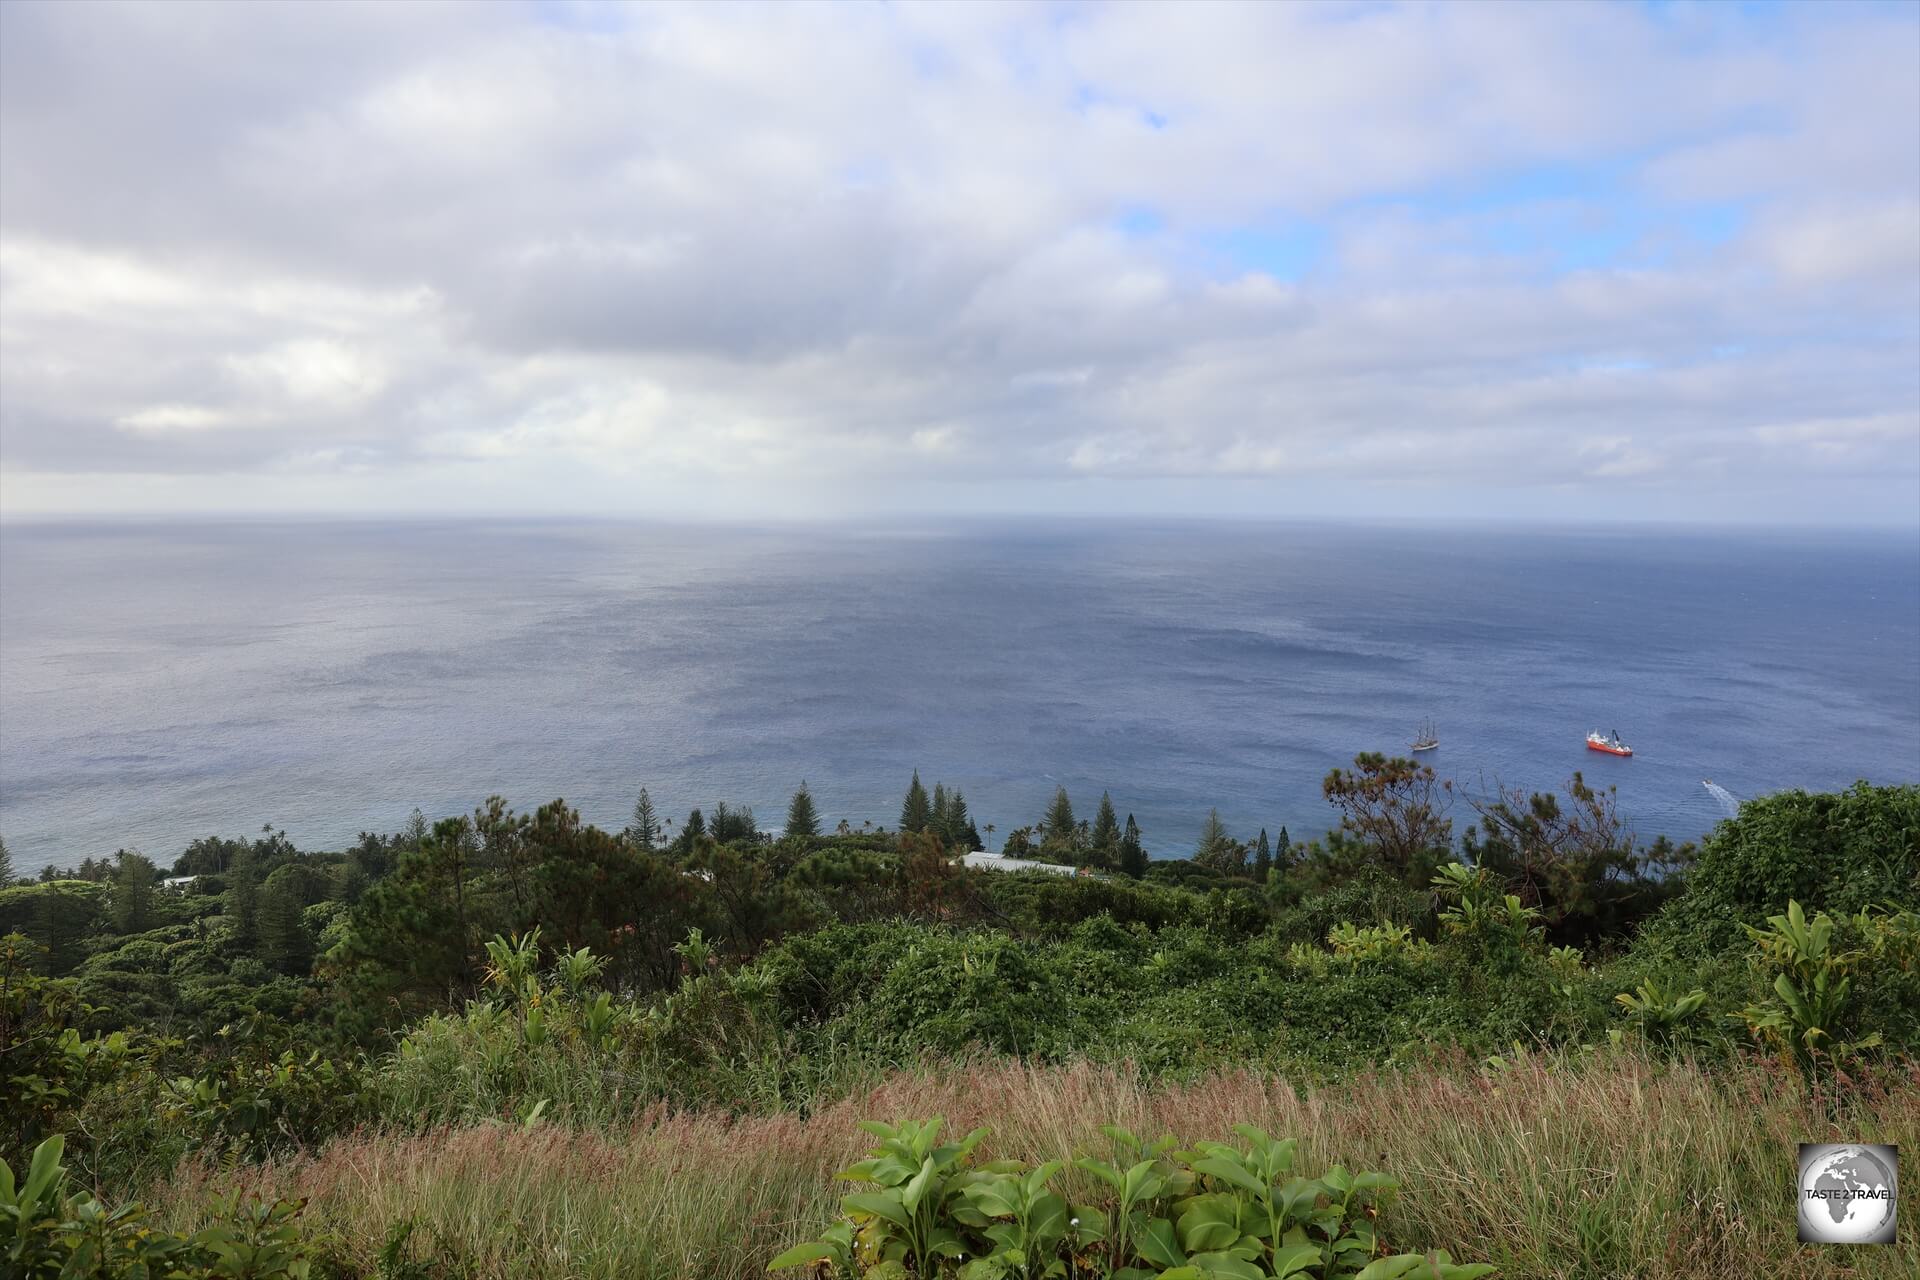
1811, 990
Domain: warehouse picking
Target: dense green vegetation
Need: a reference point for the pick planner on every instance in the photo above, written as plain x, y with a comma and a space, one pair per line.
1214, 1210
527, 972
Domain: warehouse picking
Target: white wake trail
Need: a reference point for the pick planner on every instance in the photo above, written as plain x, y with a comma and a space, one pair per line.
1727, 799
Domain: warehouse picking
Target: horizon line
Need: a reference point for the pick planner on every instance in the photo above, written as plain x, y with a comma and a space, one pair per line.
934, 518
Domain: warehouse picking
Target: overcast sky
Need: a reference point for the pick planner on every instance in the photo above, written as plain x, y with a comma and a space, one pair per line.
1624, 261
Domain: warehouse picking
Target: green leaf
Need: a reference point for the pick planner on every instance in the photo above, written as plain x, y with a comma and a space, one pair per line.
1226, 1264
995, 1199
1292, 1259
1790, 995
879, 1204
944, 1242
1230, 1171
1047, 1220
1376, 1182
44, 1170
1210, 1222
916, 1190
1092, 1225
1208, 1236
1157, 1243
1390, 1268
1144, 1182
802, 1254
1102, 1170
1041, 1176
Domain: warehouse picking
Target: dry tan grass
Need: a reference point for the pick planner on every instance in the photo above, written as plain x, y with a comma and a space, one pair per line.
1613, 1167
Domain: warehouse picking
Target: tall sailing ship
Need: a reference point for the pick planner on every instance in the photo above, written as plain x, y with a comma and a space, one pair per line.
1427, 739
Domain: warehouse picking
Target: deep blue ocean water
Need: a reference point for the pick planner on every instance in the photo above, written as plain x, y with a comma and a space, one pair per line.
159, 682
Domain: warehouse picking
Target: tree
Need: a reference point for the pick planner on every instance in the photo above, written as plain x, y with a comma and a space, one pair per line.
243, 898
1133, 857
937, 816
1262, 858
1394, 812
1217, 850
643, 833
959, 831
929, 884
1106, 830
208, 855
1282, 849
734, 826
373, 857
915, 812
1059, 825
352, 883
132, 901
801, 819
409, 940
1576, 861
285, 944
691, 833
6, 865
58, 915
502, 849
449, 851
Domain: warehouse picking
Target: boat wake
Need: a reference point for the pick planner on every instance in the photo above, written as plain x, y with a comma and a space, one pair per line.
1727, 799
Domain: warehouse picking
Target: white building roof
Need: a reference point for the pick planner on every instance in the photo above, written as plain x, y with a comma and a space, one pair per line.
999, 862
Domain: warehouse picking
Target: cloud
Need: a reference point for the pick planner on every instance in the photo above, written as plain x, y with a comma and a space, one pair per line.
758, 258
174, 417
1873, 241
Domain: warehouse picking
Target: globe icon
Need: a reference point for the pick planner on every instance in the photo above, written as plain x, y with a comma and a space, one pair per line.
1846, 1196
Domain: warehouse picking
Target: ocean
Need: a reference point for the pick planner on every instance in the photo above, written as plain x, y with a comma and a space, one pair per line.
164, 681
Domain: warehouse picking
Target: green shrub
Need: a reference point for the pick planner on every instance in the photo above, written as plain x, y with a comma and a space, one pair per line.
47, 1068
1371, 897
57, 915
254, 1104
1809, 1008
1215, 1210
51, 1232
1838, 852
1661, 1016
951, 992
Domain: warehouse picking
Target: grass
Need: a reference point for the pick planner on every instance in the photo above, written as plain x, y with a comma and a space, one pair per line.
1610, 1166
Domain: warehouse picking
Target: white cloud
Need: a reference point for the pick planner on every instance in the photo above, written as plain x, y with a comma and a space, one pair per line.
175, 417
311, 373
956, 245
1878, 240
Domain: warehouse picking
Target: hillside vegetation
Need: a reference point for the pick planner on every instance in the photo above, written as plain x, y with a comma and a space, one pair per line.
511, 1044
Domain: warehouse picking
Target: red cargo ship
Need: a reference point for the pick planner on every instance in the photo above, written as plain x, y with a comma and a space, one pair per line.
1609, 743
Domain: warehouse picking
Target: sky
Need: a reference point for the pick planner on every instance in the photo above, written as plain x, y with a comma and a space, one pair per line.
1614, 261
